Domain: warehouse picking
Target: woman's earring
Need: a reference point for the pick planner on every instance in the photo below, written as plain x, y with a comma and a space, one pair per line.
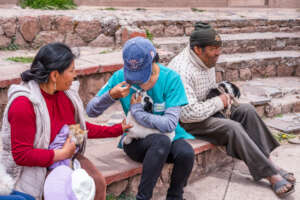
54, 85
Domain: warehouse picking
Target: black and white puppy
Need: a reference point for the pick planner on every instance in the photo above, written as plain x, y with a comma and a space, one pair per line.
139, 131
224, 87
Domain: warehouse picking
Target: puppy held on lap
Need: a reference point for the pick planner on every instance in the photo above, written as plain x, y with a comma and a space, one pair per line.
139, 131
225, 87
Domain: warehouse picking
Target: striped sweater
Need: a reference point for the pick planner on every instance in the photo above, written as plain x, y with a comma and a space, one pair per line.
197, 79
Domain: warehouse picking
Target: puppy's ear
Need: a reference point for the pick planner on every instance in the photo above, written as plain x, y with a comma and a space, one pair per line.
148, 105
223, 85
236, 90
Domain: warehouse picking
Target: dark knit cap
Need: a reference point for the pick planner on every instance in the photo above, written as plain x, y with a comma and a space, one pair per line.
204, 35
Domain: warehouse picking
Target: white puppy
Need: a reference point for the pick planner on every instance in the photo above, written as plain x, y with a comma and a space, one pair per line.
139, 131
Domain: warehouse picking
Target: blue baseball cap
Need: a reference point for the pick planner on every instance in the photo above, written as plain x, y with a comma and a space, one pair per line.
138, 55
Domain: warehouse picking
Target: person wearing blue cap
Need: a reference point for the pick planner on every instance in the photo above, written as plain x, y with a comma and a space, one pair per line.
164, 88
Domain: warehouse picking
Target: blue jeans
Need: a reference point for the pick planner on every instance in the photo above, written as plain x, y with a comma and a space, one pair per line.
15, 195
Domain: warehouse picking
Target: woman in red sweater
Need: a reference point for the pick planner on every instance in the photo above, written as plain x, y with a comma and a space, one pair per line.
53, 69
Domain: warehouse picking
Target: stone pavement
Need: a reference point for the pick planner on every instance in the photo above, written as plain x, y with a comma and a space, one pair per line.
233, 182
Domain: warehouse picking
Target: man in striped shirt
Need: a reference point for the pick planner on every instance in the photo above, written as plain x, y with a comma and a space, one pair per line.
244, 134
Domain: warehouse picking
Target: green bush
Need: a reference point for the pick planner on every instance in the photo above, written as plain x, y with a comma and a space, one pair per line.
197, 10
21, 59
149, 35
48, 4
110, 8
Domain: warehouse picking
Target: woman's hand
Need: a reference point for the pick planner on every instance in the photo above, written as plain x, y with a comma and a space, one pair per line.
69, 147
120, 91
67, 151
135, 100
126, 126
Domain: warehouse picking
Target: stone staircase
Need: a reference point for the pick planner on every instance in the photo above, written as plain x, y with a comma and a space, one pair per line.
261, 54
239, 42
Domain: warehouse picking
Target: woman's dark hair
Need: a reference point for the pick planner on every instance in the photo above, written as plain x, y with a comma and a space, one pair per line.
156, 58
51, 57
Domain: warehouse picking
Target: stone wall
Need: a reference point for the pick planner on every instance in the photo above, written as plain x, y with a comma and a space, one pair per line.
89, 86
231, 71
33, 32
8, 1
180, 3
155, 3
284, 3
193, 3
259, 68
243, 3
109, 31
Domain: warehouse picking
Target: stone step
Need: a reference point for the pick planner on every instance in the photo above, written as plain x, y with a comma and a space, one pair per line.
95, 66
286, 123
239, 43
232, 67
246, 66
272, 96
96, 26
228, 22
122, 167
123, 174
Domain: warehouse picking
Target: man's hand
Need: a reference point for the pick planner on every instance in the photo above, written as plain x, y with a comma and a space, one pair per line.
135, 100
225, 99
126, 126
120, 91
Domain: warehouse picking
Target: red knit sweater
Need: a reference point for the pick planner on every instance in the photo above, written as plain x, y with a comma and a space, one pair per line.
22, 120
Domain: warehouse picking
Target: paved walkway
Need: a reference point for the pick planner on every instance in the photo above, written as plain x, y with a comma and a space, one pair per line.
234, 182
